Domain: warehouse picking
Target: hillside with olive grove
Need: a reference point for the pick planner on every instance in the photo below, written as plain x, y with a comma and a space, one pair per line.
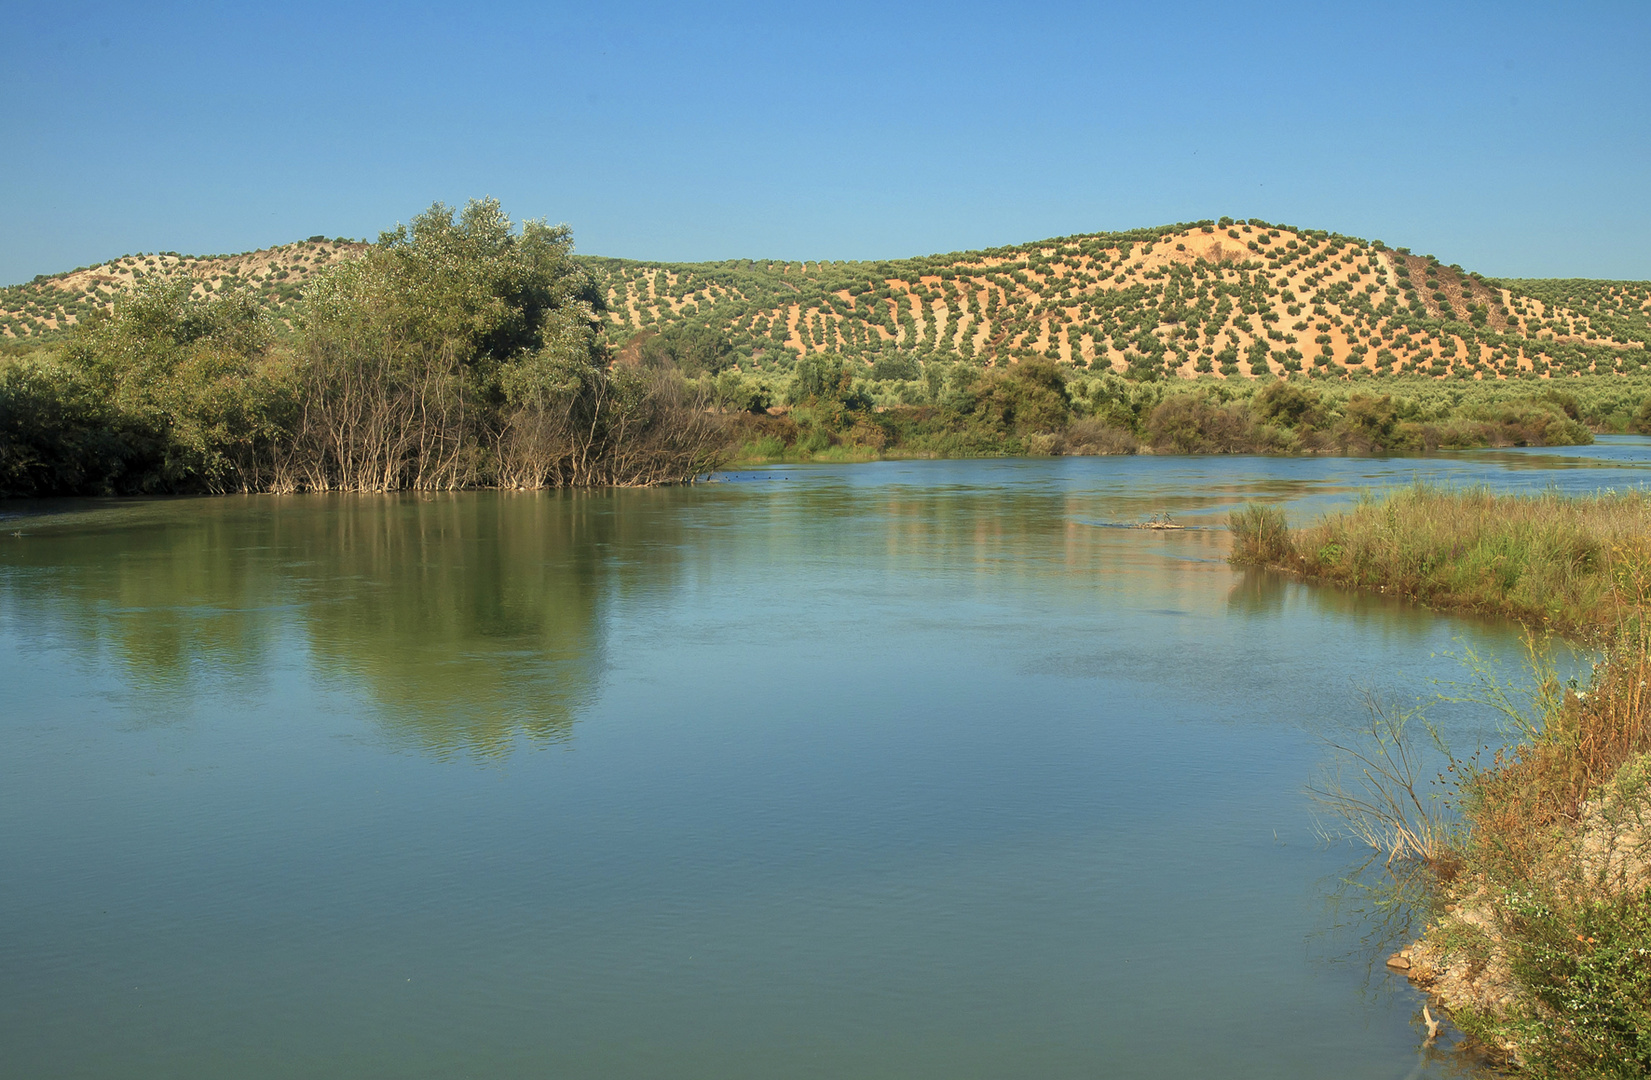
1225, 299
42, 310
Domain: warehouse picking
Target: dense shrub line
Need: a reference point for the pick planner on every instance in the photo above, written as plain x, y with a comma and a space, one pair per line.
459, 351
1040, 407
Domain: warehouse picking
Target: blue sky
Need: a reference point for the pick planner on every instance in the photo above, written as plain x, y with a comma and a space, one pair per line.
1510, 138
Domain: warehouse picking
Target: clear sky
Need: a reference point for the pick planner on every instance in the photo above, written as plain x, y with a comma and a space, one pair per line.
1511, 138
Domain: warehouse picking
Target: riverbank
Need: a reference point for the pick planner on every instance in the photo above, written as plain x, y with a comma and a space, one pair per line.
1037, 408
1550, 561
1539, 941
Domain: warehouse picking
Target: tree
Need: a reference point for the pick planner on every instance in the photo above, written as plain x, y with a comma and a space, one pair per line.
442, 341
57, 433
1289, 404
1030, 397
896, 367
693, 350
189, 384
1641, 423
464, 351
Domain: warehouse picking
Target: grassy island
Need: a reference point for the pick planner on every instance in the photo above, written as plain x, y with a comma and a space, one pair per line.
1539, 941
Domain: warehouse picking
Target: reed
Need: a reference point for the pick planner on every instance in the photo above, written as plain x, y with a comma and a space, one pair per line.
1261, 537
1547, 560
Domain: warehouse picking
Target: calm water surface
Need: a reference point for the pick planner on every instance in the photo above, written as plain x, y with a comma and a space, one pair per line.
892, 770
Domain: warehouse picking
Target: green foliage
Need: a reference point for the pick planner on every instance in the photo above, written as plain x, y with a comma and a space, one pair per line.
457, 351
1029, 398
187, 383
1374, 420
821, 375
474, 284
1261, 536
1588, 965
968, 411
57, 433
1290, 404
1641, 423
693, 350
1192, 424
444, 338
895, 367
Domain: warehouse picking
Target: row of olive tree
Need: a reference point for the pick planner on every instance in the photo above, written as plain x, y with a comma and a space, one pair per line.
460, 351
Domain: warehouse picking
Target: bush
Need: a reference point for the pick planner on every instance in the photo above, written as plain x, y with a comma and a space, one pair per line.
1289, 404
1370, 423
453, 353
692, 350
1641, 423
1261, 536
189, 384
895, 367
1029, 397
1190, 424
57, 435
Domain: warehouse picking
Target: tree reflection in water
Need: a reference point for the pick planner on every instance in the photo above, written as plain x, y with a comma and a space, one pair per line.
470, 619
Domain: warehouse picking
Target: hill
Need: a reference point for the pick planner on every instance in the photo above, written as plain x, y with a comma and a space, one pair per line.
463, 356
40, 310
1231, 299
1224, 298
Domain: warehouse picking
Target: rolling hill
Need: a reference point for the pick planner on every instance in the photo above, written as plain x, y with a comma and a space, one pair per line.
42, 309
1224, 298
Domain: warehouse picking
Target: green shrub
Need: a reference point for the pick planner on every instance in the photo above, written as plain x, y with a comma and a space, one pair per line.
894, 367
1261, 536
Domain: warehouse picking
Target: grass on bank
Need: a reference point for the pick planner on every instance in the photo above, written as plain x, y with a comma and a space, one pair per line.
1550, 561
1541, 936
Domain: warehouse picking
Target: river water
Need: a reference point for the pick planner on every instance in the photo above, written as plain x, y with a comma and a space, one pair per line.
905, 769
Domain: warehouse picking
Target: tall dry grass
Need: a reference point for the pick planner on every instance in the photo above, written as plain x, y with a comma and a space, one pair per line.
1381, 791
1535, 796
1261, 537
1546, 559
1549, 858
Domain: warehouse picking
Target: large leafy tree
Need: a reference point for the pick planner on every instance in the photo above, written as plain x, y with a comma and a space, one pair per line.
463, 350
693, 350
417, 357
471, 282
188, 385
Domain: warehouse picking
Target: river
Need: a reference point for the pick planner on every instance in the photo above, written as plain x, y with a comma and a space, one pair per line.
902, 769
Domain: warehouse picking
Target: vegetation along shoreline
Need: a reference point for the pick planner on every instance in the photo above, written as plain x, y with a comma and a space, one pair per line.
1535, 864
463, 350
